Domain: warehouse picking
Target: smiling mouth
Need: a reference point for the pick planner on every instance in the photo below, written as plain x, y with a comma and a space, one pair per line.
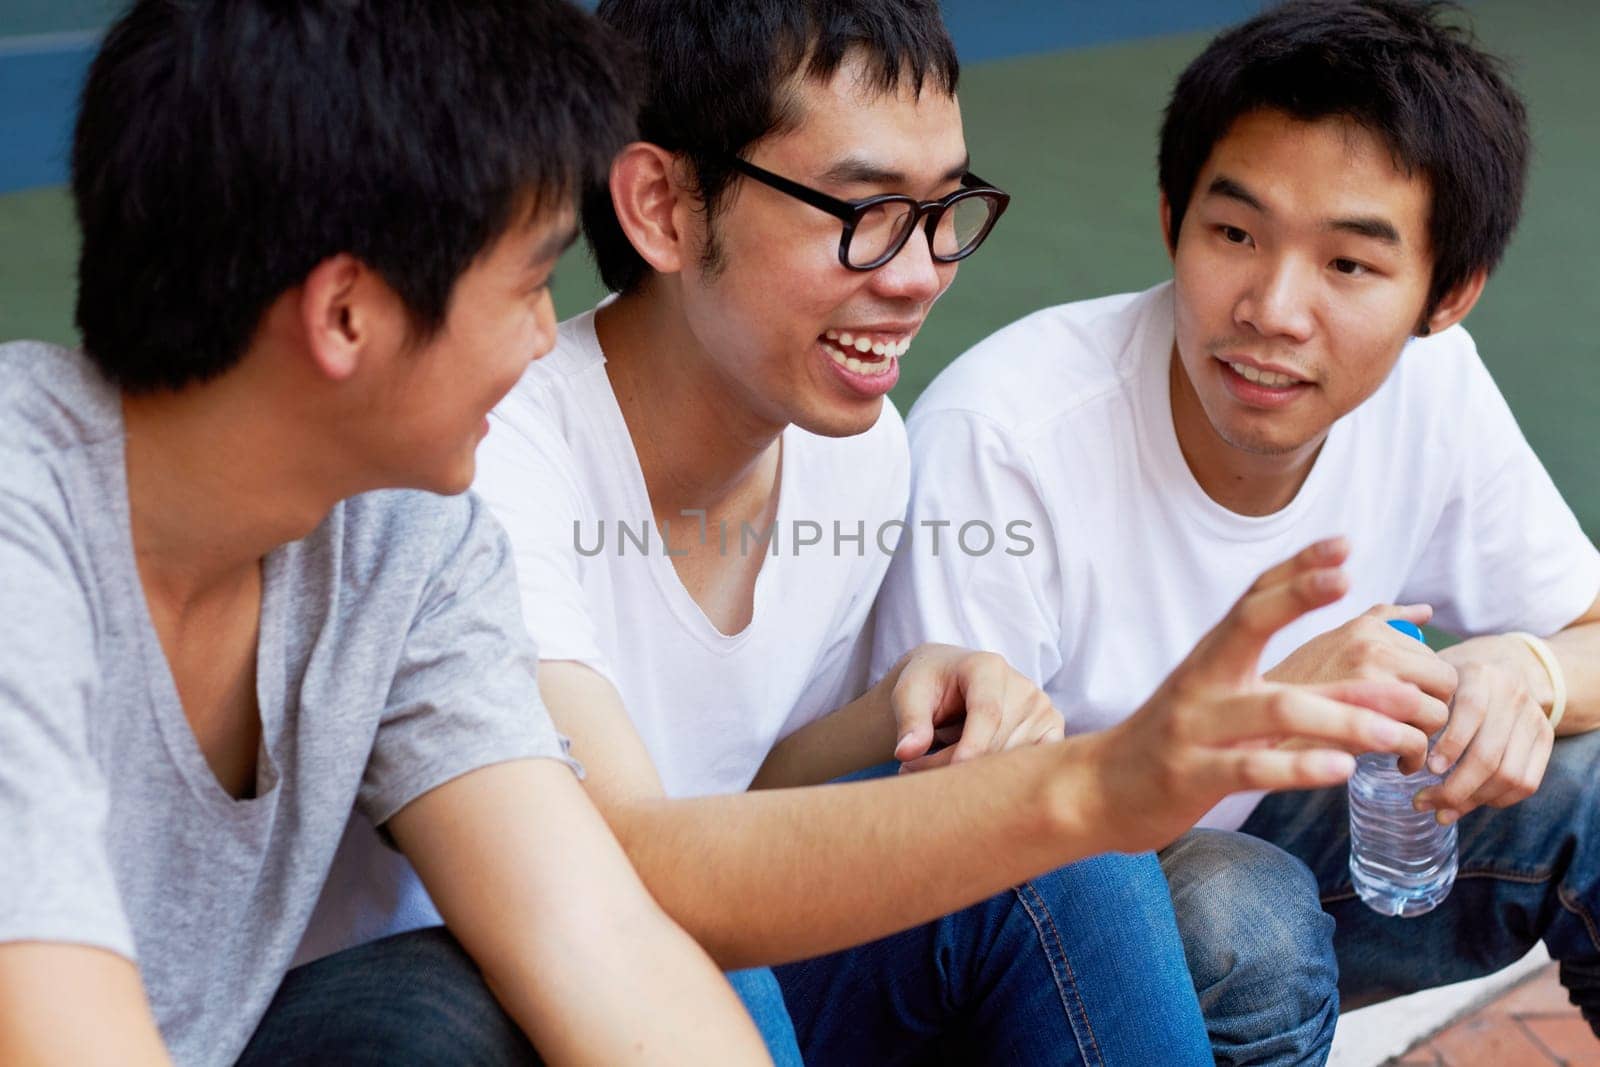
1264, 378
864, 353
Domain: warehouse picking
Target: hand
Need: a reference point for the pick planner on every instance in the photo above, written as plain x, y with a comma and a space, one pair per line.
1212, 727
1498, 738
1368, 649
976, 699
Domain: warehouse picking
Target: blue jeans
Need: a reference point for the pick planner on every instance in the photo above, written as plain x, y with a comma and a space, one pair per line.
417, 998
1080, 966
1277, 938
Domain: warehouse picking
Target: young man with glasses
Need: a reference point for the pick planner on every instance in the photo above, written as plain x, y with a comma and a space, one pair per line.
1337, 181
222, 621
801, 197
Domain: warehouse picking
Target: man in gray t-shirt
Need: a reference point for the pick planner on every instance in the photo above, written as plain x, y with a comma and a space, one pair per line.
227, 621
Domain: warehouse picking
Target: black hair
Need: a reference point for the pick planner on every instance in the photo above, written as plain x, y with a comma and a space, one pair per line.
1444, 107
717, 75
223, 148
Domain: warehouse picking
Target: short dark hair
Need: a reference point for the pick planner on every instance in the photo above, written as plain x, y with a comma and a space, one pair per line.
716, 74
1444, 107
225, 147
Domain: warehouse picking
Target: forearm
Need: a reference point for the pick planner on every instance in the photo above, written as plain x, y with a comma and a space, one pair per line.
538, 892
857, 736
69, 1004
764, 878
1577, 649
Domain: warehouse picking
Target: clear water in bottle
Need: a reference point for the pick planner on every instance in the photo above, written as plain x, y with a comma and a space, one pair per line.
1401, 860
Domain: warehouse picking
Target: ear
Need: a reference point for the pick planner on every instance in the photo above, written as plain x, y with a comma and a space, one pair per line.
651, 202
1454, 305
335, 320
1166, 226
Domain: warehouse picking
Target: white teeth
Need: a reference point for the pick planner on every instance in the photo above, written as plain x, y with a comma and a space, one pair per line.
863, 344
1270, 379
832, 335
902, 346
858, 366
846, 339
879, 348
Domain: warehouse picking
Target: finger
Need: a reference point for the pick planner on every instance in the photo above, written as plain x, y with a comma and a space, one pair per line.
987, 690
1516, 780
1425, 670
1236, 770
1051, 729
918, 696
940, 758
1467, 712
1421, 614
1233, 648
1279, 712
1403, 703
1479, 764
1041, 719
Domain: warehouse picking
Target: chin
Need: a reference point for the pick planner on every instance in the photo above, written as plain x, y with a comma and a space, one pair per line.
842, 421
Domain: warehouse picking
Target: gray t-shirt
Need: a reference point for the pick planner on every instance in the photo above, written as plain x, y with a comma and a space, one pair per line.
392, 658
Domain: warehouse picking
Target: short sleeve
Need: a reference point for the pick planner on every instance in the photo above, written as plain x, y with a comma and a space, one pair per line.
1507, 552
56, 877
978, 565
465, 693
525, 475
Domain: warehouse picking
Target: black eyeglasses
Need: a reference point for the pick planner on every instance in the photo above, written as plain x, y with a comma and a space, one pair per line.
875, 229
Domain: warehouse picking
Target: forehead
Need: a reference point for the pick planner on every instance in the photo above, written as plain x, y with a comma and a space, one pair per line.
1323, 168
852, 113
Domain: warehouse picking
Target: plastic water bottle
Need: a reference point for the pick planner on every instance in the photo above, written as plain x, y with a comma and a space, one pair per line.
1401, 860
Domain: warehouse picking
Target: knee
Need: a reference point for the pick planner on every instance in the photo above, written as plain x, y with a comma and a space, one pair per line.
414, 997
1250, 918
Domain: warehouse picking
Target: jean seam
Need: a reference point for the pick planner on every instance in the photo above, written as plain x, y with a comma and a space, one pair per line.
1067, 997
1582, 913
1525, 878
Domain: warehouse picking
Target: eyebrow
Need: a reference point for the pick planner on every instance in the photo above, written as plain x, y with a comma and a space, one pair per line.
1373, 227
853, 170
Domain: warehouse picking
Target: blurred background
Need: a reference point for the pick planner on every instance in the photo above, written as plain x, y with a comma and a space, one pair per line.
1061, 99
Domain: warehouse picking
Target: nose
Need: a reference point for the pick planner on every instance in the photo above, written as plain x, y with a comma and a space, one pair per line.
1278, 301
912, 274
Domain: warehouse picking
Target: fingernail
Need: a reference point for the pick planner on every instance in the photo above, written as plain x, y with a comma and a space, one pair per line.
1438, 764
1447, 817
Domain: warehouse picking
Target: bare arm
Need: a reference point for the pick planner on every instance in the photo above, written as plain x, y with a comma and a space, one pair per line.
537, 891
73, 1005
766, 877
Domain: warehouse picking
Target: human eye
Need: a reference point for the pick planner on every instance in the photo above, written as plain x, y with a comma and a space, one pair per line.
1234, 236
1350, 268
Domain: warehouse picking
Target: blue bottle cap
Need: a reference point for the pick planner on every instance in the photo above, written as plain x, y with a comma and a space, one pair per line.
1410, 629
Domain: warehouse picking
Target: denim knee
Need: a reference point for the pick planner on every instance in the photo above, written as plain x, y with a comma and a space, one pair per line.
1259, 946
411, 998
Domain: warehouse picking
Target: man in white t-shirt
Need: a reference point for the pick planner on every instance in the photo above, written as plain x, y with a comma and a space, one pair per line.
1337, 181
702, 484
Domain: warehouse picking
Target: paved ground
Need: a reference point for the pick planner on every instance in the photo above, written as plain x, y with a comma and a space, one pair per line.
1529, 1025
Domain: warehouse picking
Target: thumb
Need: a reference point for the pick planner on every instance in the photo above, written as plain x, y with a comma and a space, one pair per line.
915, 700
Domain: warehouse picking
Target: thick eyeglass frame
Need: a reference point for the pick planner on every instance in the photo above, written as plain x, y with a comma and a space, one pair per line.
850, 212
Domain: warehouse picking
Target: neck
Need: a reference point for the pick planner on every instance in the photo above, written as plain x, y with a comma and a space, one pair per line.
1244, 482
212, 489
699, 443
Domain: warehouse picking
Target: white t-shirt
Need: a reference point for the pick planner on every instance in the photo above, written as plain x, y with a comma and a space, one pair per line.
558, 461
560, 472
1063, 421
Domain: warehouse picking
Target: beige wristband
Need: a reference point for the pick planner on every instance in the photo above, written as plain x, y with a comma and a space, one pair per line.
1552, 667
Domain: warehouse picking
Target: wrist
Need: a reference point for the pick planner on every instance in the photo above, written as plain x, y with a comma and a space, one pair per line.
1073, 797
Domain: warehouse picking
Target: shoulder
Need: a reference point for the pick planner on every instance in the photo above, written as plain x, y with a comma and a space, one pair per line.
1048, 364
53, 398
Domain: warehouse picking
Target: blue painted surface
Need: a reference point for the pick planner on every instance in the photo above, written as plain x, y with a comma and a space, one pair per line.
38, 97
40, 76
